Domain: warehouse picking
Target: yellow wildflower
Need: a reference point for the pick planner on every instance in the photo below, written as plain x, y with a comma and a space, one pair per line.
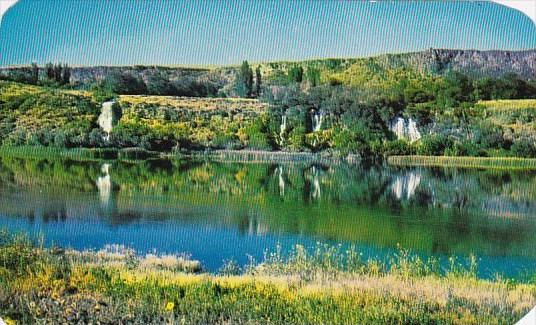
169, 306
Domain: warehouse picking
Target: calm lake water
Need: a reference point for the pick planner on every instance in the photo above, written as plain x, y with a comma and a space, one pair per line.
217, 211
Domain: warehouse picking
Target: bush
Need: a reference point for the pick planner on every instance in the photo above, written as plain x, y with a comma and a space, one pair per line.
398, 148
433, 145
524, 148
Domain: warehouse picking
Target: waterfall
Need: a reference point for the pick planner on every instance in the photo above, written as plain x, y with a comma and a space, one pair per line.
413, 132
282, 128
405, 129
104, 185
106, 119
316, 120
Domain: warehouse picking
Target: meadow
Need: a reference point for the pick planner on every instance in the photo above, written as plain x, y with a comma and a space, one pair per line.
326, 285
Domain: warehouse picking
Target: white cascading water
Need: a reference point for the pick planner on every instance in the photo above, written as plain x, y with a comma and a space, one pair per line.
104, 185
106, 119
413, 132
316, 119
405, 129
282, 128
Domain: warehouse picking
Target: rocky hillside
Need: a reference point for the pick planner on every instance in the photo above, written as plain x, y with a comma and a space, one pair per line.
435, 61
489, 63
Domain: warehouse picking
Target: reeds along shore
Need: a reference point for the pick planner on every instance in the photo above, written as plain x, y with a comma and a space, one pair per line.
464, 162
319, 286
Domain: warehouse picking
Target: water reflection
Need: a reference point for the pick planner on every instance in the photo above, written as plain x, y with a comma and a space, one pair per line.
404, 185
104, 185
434, 211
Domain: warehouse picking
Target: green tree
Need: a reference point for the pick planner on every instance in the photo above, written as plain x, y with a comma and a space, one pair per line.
35, 73
295, 74
258, 81
66, 74
49, 71
244, 80
57, 73
312, 76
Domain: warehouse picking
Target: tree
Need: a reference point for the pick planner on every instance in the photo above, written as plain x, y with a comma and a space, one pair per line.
49, 71
159, 84
66, 74
295, 74
57, 73
258, 79
244, 80
312, 76
35, 73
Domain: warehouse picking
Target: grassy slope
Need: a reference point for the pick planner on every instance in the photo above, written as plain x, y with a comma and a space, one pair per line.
203, 122
26, 108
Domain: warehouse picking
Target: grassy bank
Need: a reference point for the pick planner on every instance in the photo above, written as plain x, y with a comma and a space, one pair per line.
328, 285
85, 154
463, 162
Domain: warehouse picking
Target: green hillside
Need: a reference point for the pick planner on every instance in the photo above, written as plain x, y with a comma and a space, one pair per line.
457, 103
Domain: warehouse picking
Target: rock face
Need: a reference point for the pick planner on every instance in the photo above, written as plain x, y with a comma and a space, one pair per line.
473, 62
436, 61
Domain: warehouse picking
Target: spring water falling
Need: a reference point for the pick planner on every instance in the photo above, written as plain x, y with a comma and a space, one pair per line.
405, 129
282, 128
105, 120
316, 120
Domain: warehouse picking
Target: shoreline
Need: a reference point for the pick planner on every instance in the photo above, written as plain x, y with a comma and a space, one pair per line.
325, 286
508, 163
264, 156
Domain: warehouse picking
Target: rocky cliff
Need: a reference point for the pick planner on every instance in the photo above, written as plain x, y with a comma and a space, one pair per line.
483, 63
436, 61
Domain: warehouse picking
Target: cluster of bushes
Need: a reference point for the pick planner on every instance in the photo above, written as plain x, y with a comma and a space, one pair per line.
165, 124
156, 83
51, 75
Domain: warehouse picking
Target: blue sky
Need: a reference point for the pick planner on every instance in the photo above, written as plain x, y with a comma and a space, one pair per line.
91, 32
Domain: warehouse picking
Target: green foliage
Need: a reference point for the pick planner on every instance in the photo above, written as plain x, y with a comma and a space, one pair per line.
295, 74
433, 145
397, 148
39, 116
258, 81
125, 83
244, 81
524, 148
312, 76
257, 135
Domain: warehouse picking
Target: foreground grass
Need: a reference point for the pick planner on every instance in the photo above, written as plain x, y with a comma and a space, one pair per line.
327, 286
464, 162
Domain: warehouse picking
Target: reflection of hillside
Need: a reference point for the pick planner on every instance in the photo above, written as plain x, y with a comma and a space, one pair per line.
436, 211
488, 194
